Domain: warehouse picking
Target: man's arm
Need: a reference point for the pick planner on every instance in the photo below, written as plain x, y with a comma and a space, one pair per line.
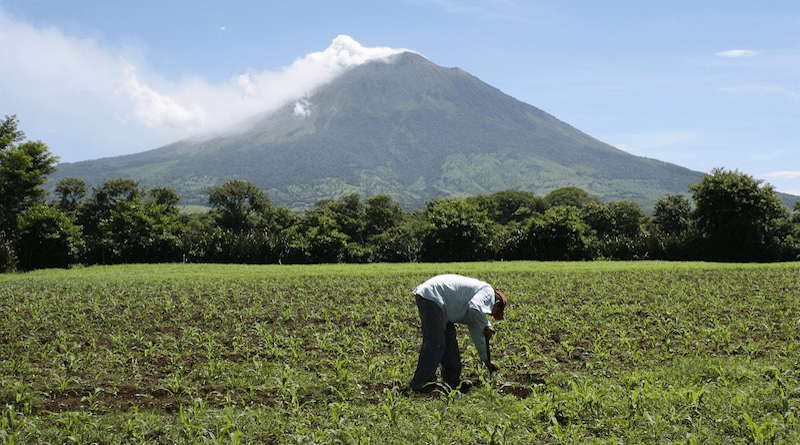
478, 322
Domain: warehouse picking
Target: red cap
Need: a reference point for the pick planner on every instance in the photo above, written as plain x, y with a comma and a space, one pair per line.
505, 302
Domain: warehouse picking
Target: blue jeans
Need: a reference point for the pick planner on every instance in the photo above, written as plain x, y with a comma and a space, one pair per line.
439, 347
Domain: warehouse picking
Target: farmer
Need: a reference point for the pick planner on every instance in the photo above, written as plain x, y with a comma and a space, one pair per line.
443, 301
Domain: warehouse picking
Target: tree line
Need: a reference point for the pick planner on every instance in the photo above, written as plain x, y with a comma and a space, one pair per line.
728, 216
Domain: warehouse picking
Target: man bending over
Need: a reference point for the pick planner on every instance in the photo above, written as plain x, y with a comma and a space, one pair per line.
443, 301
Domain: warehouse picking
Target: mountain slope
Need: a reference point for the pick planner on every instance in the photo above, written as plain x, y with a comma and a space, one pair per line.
408, 128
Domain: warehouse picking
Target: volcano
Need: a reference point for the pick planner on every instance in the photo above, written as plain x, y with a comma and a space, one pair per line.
405, 127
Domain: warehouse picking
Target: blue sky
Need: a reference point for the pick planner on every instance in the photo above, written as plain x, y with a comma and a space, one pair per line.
701, 84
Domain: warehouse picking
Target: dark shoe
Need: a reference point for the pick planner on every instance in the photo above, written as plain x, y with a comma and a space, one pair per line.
464, 387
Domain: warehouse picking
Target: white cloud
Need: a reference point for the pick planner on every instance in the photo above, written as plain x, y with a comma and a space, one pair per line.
785, 174
245, 95
301, 109
735, 53
46, 63
84, 94
156, 110
194, 103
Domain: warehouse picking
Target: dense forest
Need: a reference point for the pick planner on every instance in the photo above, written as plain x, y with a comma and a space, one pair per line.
729, 216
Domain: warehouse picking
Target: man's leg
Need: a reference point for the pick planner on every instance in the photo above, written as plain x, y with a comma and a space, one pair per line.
433, 344
451, 361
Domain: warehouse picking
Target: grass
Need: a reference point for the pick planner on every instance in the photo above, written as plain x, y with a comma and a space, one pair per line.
600, 352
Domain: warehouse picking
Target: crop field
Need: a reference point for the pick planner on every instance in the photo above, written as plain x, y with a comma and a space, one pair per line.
589, 353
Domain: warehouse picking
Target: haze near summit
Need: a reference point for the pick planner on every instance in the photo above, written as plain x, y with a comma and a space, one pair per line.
127, 97
196, 106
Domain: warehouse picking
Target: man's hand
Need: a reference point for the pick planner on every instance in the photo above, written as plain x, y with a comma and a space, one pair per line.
492, 366
488, 331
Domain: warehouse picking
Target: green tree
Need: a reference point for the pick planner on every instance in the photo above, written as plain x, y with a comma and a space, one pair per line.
10, 134
617, 230
241, 205
111, 192
326, 244
166, 197
629, 239
672, 215
348, 214
628, 217
517, 205
284, 234
392, 235
381, 214
47, 237
558, 234
793, 239
138, 231
71, 192
334, 231
737, 218
105, 198
24, 167
456, 230
399, 244
599, 218
245, 228
569, 196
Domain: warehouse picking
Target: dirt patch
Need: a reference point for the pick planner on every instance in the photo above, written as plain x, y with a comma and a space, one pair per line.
518, 391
